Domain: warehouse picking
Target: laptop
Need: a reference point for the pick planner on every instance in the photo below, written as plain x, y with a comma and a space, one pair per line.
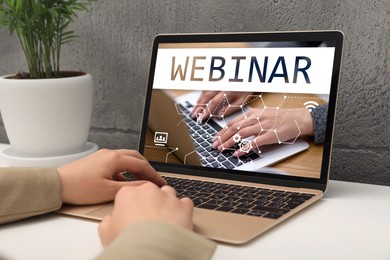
242, 123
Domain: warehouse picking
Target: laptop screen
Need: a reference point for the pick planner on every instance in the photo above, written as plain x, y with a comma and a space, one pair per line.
255, 104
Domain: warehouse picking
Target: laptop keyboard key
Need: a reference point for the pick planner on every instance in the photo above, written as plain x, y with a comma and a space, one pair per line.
232, 204
215, 202
244, 206
292, 204
271, 210
300, 197
240, 211
228, 165
256, 213
272, 215
207, 206
253, 156
225, 209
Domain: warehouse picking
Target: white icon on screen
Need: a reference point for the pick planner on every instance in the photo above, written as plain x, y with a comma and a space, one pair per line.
200, 112
310, 105
160, 138
245, 146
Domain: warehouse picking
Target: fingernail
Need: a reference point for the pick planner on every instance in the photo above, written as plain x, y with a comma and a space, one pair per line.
215, 145
220, 147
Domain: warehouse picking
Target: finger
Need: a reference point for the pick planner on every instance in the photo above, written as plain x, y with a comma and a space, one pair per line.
225, 105
112, 188
214, 105
188, 208
119, 177
230, 131
104, 230
220, 104
228, 126
244, 129
267, 137
169, 190
244, 117
210, 101
206, 96
242, 151
119, 184
141, 169
245, 132
203, 99
222, 111
132, 153
209, 107
221, 132
195, 109
189, 204
230, 110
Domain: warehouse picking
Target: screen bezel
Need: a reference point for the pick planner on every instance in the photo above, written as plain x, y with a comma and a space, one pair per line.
282, 180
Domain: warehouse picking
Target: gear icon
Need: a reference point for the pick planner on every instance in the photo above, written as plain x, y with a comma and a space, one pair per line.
245, 146
236, 138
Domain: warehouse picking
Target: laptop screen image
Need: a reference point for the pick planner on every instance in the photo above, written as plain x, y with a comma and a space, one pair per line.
256, 107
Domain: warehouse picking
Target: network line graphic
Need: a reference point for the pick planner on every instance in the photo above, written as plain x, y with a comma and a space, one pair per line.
248, 115
248, 144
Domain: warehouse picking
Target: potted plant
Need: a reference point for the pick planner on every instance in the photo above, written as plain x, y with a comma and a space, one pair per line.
46, 112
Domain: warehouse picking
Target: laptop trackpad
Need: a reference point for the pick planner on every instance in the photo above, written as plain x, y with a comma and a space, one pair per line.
221, 226
107, 209
228, 227
102, 212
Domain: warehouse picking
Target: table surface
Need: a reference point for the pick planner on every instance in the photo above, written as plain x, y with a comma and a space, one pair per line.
352, 221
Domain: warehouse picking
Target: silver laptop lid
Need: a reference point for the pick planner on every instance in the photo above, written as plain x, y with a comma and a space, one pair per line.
257, 107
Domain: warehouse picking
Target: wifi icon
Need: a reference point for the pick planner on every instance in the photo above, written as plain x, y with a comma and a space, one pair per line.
310, 105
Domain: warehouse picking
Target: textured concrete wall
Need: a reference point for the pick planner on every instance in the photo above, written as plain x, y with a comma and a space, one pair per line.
115, 44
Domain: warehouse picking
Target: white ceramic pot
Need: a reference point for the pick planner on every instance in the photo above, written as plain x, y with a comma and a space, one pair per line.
47, 117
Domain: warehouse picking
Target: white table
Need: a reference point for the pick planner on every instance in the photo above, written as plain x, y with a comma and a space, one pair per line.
352, 221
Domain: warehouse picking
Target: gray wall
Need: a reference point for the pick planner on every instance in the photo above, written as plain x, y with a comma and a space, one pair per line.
115, 44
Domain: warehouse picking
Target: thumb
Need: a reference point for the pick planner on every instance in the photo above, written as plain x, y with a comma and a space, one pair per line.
104, 231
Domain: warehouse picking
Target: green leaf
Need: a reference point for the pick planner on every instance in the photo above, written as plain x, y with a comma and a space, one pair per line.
41, 26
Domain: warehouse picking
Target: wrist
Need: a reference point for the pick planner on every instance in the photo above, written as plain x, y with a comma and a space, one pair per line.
306, 122
64, 190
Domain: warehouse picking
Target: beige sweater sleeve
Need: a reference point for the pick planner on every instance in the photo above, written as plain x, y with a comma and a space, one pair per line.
26, 192
158, 240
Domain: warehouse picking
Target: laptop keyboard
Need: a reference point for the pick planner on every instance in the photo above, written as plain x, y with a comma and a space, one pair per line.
252, 201
202, 135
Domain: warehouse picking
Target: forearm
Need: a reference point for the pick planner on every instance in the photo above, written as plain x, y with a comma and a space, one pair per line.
158, 240
26, 192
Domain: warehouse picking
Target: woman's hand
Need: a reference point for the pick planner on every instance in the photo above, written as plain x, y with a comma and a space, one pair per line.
267, 126
145, 202
217, 103
97, 177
